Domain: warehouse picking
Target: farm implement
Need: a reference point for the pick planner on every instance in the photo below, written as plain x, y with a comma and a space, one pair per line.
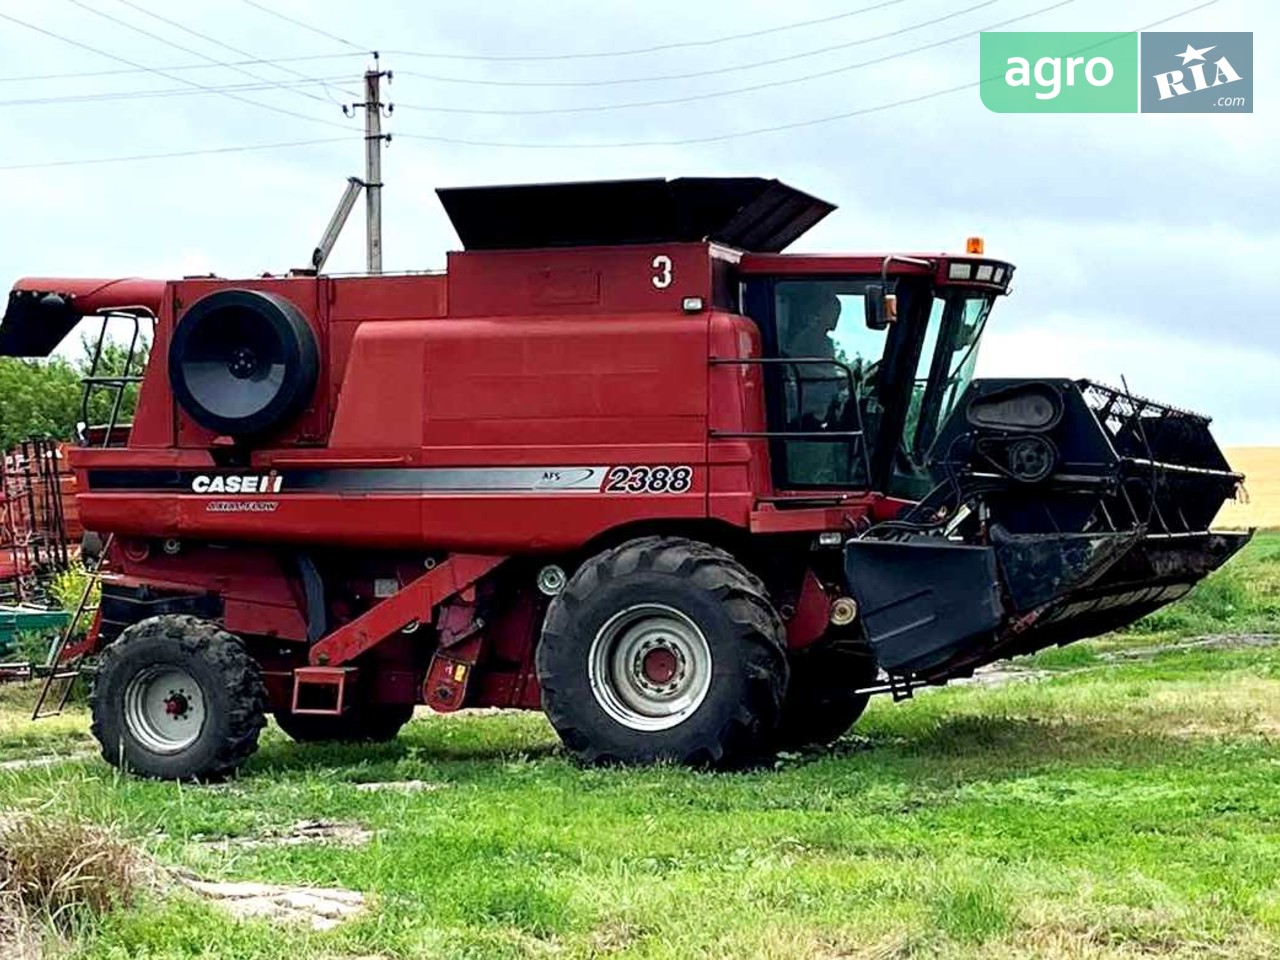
625, 461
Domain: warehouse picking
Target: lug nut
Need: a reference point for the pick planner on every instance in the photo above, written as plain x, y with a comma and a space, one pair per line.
844, 610
551, 580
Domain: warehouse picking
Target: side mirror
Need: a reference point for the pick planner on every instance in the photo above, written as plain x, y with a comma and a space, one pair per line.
881, 307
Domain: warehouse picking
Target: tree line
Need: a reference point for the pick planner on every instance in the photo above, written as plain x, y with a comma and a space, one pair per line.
42, 398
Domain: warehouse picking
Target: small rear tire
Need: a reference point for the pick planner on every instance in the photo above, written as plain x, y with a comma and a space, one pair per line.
177, 698
367, 723
821, 704
663, 649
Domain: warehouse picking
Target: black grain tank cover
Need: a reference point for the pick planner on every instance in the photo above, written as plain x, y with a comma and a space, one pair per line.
747, 213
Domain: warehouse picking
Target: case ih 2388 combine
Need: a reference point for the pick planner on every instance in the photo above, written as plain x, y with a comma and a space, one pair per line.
624, 461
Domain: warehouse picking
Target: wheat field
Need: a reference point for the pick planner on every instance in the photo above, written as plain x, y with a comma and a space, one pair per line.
1259, 505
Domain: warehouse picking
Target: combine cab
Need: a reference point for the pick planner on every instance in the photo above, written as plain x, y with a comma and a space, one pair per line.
625, 461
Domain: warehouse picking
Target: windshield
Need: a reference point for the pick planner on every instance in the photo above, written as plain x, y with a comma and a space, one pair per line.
944, 370
850, 406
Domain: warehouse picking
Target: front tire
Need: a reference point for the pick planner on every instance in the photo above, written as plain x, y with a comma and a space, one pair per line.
663, 649
177, 698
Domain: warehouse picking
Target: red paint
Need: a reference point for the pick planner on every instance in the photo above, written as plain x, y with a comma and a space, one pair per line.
90, 296
415, 602
812, 614
320, 690
659, 665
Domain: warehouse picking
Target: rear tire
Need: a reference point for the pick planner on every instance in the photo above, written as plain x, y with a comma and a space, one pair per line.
663, 649
364, 723
821, 705
177, 698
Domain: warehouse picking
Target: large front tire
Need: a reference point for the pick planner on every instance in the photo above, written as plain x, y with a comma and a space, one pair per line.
177, 698
663, 649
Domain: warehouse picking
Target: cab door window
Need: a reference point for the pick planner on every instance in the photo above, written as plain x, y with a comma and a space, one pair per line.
816, 321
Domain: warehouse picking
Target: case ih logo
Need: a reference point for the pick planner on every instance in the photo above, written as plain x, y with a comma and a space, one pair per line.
250, 483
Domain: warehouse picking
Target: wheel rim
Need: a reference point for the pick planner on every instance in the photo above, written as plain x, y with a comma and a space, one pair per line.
164, 709
650, 667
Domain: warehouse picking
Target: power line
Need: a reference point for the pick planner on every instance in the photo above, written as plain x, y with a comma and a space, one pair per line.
159, 39
169, 156
714, 94
685, 141
162, 73
225, 46
305, 26
714, 138
170, 92
692, 74
658, 48
741, 134
177, 68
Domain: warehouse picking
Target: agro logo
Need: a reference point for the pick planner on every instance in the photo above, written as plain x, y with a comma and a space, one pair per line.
250, 483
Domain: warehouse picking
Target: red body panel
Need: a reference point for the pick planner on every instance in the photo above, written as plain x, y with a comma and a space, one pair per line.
567, 375
573, 358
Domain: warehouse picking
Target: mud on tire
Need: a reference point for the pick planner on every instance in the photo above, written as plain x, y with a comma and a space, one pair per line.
171, 667
634, 599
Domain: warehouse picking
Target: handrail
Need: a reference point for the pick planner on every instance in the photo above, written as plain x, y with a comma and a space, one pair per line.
805, 435
119, 383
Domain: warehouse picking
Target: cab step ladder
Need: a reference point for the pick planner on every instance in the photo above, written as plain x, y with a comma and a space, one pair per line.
57, 672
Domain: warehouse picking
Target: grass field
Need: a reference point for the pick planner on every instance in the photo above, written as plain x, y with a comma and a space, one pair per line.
1261, 505
1122, 800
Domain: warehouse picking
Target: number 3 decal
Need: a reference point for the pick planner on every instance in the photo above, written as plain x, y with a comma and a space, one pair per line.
662, 264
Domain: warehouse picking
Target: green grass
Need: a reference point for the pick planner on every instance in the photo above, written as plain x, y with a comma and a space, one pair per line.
1124, 806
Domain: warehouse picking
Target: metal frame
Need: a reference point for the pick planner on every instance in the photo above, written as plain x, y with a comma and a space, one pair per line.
117, 383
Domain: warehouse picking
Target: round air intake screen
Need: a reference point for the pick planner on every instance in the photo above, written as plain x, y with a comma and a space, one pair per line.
1026, 407
243, 362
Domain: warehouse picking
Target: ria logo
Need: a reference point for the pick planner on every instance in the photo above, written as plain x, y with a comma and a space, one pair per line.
1171, 84
238, 483
1197, 72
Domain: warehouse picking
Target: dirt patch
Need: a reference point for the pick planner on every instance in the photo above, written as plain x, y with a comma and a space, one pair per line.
29, 763
299, 834
998, 674
19, 938
400, 786
322, 908
52, 868
1217, 641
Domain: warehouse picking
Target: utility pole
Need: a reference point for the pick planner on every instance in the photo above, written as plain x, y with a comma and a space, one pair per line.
371, 184
373, 140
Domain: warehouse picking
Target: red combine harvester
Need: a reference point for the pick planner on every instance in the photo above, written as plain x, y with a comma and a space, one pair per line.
624, 461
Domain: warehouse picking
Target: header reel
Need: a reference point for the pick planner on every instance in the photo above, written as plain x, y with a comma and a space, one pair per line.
1077, 507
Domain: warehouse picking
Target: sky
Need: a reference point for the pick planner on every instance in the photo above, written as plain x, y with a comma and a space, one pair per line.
1144, 243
